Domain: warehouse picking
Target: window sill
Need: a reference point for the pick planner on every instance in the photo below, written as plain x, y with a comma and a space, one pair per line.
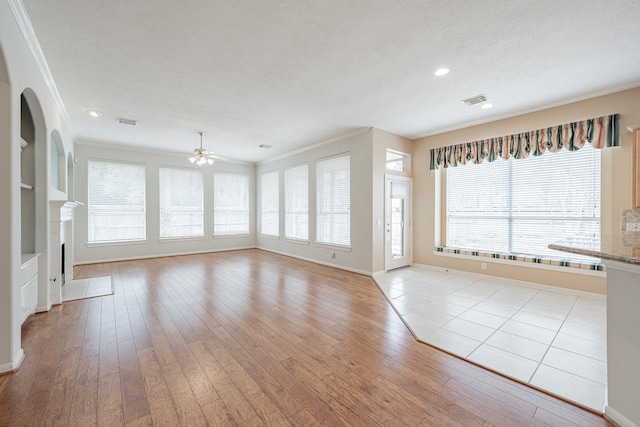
270, 236
230, 236
336, 247
589, 268
117, 243
296, 241
180, 239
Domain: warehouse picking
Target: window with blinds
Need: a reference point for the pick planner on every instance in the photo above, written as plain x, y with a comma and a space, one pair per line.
523, 205
230, 203
270, 203
333, 205
116, 202
296, 202
181, 206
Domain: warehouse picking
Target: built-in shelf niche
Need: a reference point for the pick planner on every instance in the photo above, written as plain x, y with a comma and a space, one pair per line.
27, 179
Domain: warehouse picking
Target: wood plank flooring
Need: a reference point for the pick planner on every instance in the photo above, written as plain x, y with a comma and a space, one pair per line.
250, 338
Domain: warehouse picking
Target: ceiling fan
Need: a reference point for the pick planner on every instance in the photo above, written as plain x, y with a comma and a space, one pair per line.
201, 156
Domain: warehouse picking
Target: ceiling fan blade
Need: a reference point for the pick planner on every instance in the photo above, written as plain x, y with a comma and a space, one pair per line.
215, 156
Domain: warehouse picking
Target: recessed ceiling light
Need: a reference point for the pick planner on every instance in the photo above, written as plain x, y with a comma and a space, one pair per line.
94, 113
441, 72
485, 106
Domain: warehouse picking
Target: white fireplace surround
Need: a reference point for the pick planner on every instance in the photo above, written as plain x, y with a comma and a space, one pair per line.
61, 232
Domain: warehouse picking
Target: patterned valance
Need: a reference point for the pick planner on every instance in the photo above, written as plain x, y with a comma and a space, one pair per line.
600, 132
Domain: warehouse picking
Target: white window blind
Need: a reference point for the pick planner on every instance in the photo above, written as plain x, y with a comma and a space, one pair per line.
333, 209
296, 197
523, 205
181, 209
270, 203
116, 202
230, 203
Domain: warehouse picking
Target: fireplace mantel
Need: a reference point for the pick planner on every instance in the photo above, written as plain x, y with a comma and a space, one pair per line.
61, 219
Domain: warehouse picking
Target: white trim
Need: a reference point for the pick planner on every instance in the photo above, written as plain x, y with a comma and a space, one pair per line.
24, 23
147, 150
269, 236
314, 146
388, 180
330, 246
315, 261
617, 418
378, 273
534, 265
297, 241
133, 258
14, 364
230, 236
116, 243
180, 239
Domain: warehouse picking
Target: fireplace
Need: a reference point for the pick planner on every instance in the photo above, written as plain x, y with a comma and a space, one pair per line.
60, 248
62, 258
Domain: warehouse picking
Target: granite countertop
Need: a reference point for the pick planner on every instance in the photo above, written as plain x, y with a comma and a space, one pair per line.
624, 247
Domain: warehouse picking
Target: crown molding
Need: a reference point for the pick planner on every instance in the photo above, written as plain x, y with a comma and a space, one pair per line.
29, 35
314, 146
111, 146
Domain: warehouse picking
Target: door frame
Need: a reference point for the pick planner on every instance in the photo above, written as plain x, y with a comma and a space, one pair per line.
388, 263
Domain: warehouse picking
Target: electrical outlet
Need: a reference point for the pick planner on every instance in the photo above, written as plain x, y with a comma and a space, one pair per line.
483, 266
633, 226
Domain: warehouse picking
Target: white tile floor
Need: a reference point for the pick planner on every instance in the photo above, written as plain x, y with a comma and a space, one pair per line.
551, 338
87, 288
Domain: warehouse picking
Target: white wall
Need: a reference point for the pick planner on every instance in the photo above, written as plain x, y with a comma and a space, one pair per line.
358, 258
153, 246
23, 73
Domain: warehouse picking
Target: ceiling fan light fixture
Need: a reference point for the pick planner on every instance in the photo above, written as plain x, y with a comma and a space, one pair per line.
200, 156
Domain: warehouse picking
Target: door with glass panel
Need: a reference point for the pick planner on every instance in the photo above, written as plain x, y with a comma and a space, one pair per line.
397, 222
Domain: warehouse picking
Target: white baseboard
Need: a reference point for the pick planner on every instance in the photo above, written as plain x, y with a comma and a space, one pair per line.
133, 258
14, 365
315, 261
617, 418
43, 309
378, 273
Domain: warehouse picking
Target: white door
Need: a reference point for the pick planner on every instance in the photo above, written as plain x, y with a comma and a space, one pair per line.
397, 221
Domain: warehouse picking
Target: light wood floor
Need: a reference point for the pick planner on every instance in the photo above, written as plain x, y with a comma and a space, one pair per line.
250, 338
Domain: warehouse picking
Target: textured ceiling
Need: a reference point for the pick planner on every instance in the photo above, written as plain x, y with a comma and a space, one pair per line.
292, 73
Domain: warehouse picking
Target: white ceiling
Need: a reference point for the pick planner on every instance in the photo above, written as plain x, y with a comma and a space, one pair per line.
292, 73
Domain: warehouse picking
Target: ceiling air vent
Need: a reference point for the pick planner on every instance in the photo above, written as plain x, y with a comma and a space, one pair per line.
127, 121
475, 100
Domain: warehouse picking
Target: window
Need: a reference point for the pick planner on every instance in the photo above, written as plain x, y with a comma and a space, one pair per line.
296, 197
270, 194
230, 203
523, 205
181, 210
333, 215
116, 202
397, 161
